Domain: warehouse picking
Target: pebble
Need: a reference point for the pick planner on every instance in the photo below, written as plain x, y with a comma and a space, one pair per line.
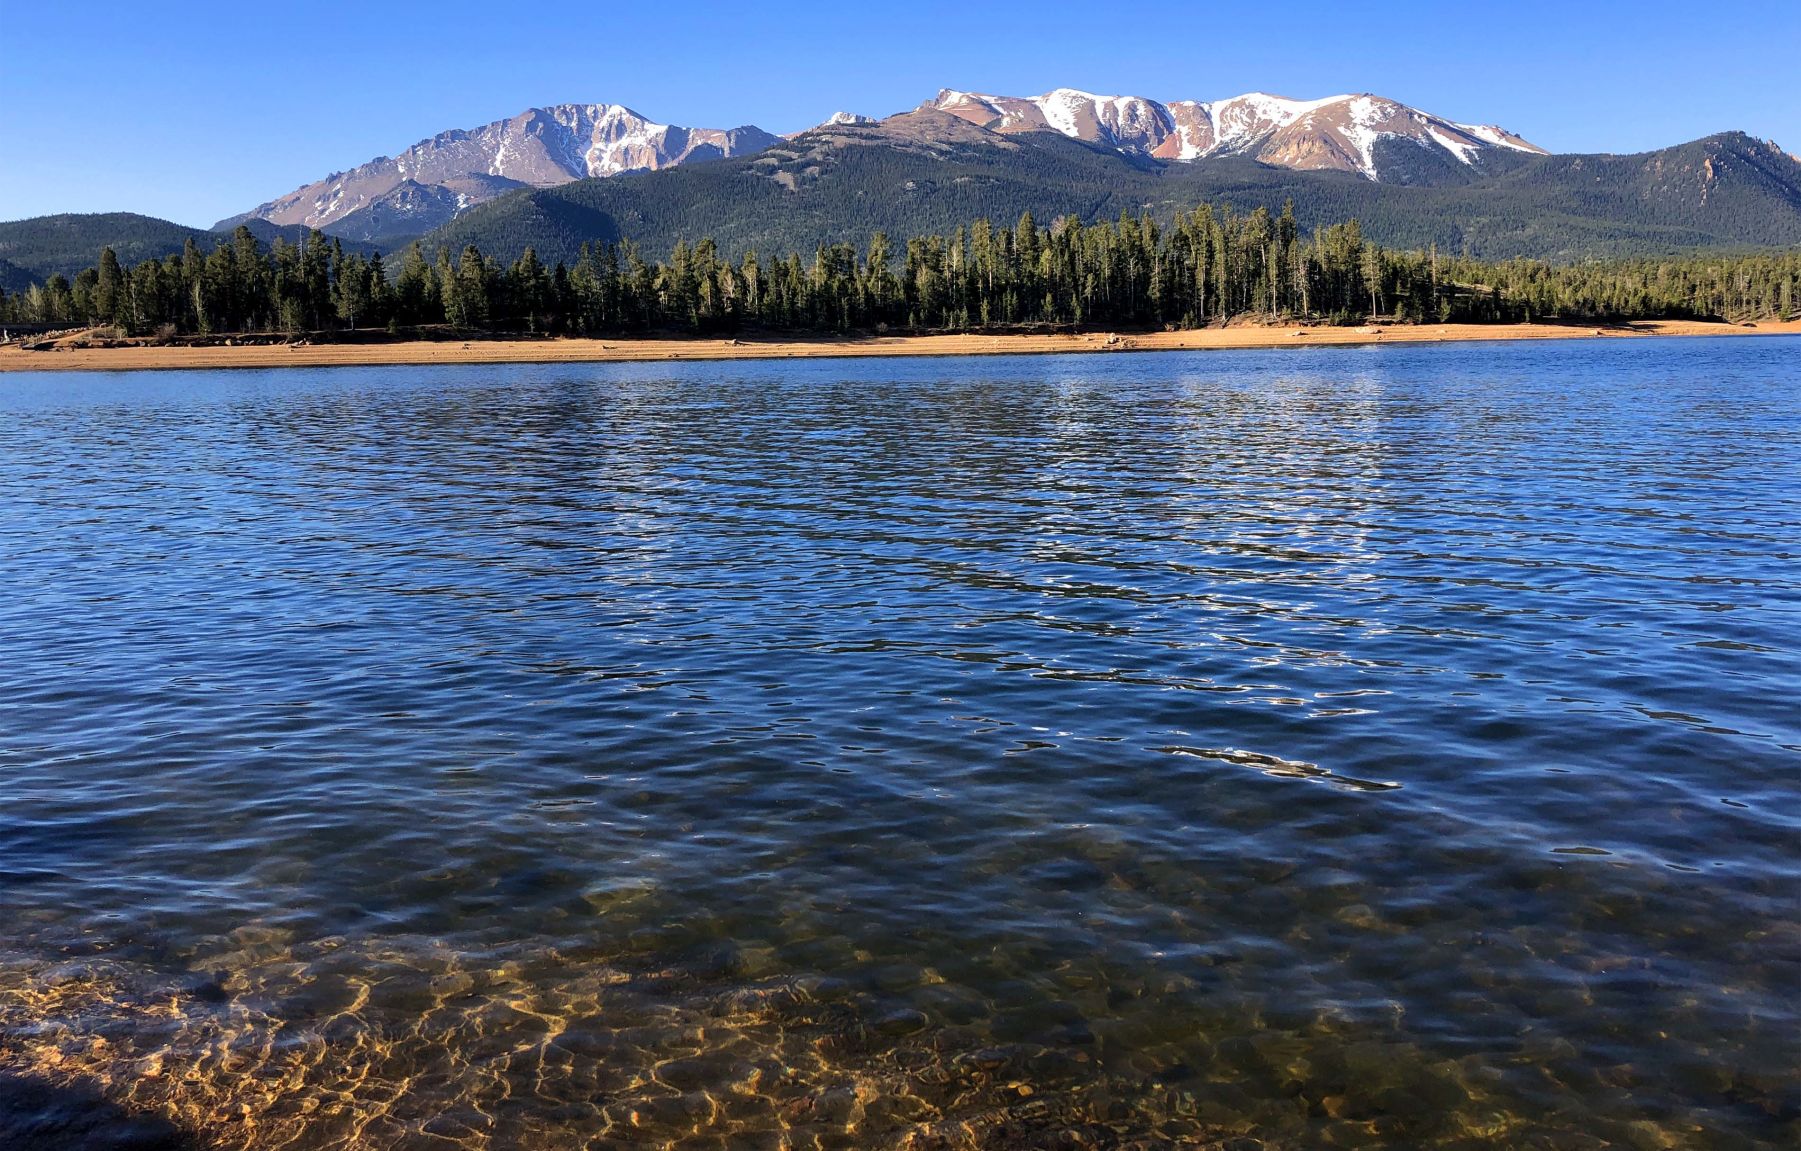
903, 1021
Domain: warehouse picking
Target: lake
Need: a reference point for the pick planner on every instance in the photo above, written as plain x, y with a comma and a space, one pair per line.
1378, 747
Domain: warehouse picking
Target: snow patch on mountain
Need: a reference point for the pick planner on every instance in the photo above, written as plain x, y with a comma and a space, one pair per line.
1060, 108
1462, 149
1367, 118
1501, 138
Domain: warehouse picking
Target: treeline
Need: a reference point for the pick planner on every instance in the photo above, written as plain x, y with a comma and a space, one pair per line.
1210, 266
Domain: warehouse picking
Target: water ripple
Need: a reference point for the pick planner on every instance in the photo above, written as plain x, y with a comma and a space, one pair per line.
1388, 749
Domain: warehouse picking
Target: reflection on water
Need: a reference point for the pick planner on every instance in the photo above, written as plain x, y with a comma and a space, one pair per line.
1374, 748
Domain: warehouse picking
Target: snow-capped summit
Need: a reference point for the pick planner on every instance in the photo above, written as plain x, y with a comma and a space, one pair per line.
1345, 133
436, 179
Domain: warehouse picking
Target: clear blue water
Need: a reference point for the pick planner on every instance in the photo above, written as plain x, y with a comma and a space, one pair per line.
1384, 747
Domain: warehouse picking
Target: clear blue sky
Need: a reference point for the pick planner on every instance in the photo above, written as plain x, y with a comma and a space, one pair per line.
194, 111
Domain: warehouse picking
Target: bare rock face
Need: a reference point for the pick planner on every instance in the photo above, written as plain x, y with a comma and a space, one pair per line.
439, 178
1341, 133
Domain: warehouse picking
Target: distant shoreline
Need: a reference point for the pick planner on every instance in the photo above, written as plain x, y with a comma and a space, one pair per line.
571, 350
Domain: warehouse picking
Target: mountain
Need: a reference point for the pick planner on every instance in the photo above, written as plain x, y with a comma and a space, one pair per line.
931, 170
46, 245
429, 183
837, 120
1356, 133
438, 179
31, 251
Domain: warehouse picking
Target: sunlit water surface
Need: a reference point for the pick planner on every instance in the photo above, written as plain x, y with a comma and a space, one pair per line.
1387, 747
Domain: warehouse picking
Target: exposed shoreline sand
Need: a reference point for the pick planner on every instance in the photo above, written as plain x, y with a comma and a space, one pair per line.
628, 350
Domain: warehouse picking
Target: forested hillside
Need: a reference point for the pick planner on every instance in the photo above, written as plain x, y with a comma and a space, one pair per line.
1208, 266
44, 246
66, 244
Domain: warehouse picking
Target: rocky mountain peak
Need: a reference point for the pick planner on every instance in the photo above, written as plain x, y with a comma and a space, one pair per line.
1338, 132
438, 178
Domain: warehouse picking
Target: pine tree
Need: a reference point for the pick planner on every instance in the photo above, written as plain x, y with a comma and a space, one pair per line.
109, 289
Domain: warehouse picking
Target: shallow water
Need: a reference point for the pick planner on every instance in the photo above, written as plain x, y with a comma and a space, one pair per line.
1384, 747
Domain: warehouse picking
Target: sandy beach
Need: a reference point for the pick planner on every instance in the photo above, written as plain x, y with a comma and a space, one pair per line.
64, 357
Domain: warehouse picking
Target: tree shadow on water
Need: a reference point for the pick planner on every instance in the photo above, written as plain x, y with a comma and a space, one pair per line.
39, 1115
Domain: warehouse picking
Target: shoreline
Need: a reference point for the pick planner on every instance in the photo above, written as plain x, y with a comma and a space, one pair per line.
572, 350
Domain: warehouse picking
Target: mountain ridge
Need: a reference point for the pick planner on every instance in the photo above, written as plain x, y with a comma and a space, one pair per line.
437, 178
34, 249
441, 177
1336, 133
928, 171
